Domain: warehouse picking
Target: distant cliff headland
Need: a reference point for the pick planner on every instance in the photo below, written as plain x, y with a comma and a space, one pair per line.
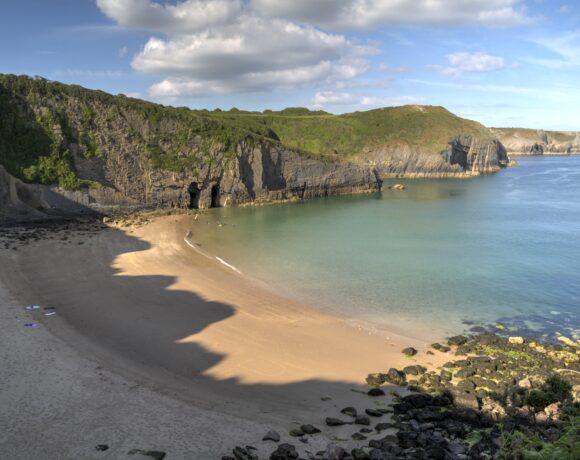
67, 149
519, 141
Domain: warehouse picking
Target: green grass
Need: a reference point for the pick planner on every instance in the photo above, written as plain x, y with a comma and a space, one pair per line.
40, 120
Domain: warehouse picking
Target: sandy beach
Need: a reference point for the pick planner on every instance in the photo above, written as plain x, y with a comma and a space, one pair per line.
155, 346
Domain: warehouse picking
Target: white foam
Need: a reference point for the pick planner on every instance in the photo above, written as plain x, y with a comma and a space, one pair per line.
228, 265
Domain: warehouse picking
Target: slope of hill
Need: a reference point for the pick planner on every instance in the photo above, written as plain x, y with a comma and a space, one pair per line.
61, 143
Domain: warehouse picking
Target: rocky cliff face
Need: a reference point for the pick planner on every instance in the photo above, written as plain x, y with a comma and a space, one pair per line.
467, 156
110, 153
538, 142
258, 174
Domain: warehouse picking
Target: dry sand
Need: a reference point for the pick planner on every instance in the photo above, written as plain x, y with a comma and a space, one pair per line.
156, 346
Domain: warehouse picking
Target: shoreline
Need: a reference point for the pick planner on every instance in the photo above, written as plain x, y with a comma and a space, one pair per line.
224, 346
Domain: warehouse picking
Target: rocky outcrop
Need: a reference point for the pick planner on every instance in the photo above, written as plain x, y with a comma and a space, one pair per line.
258, 174
112, 153
466, 156
538, 142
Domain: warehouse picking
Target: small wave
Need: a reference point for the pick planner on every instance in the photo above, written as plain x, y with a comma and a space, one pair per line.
228, 265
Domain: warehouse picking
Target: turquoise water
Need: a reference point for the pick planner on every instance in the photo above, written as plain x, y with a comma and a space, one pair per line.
439, 257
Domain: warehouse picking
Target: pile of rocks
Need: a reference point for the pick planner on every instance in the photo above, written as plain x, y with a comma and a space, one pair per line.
498, 385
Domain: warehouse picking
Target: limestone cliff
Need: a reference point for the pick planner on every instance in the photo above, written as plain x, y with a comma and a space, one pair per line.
66, 149
520, 141
466, 156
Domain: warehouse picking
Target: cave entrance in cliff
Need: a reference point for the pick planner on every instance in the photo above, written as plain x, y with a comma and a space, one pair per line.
215, 196
193, 191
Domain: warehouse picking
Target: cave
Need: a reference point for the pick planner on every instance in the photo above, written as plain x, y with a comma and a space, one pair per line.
193, 191
215, 196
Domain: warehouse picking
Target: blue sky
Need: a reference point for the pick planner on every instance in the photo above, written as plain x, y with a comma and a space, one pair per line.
501, 62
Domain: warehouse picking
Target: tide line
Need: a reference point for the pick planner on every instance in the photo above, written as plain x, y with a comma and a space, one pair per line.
219, 259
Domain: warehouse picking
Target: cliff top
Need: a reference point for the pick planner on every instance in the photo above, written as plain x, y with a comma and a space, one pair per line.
46, 126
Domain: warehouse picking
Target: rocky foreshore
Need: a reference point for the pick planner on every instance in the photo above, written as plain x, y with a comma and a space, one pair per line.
496, 398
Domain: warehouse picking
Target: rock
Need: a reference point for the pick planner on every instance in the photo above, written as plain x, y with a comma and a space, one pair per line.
366, 430
362, 420
309, 429
296, 433
384, 426
516, 340
331, 421
101, 447
397, 187
414, 370
568, 341
464, 399
525, 383
147, 454
418, 400
396, 377
374, 412
553, 410
409, 351
241, 453
358, 436
284, 452
376, 380
457, 340
375, 392
335, 452
351, 411
359, 454
494, 409
446, 375
271, 436
441, 348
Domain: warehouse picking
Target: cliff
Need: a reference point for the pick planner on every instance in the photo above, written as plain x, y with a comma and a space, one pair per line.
65, 149
519, 141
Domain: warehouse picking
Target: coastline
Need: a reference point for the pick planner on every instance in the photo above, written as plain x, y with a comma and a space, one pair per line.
142, 307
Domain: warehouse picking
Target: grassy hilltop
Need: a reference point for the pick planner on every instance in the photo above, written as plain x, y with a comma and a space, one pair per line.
46, 127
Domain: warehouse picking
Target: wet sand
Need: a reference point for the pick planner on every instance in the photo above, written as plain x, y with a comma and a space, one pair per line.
146, 308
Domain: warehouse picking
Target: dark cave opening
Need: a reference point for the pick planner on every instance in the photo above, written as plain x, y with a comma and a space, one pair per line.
193, 191
215, 196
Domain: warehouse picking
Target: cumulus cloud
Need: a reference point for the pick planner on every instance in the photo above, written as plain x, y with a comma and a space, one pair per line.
349, 14
201, 47
462, 62
188, 16
252, 54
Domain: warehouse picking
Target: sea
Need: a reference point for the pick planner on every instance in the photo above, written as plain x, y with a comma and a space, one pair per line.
444, 256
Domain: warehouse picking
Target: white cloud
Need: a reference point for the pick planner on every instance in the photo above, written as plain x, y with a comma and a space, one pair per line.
229, 46
463, 62
123, 51
252, 54
350, 14
187, 16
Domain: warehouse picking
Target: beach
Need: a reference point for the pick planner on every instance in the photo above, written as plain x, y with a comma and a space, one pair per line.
154, 343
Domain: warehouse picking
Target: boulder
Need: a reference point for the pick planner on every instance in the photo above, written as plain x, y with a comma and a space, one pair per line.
284, 452
396, 377
409, 351
271, 436
457, 340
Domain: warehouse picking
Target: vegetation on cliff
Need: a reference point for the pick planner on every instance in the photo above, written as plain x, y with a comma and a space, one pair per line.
48, 128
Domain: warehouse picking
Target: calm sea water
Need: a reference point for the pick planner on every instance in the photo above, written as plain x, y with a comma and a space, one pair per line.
440, 257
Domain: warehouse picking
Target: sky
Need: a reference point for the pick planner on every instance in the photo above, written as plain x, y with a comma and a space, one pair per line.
501, 62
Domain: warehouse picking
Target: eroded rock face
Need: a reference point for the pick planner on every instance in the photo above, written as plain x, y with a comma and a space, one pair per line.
257, 174
466, 156
538, 142
477, 156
